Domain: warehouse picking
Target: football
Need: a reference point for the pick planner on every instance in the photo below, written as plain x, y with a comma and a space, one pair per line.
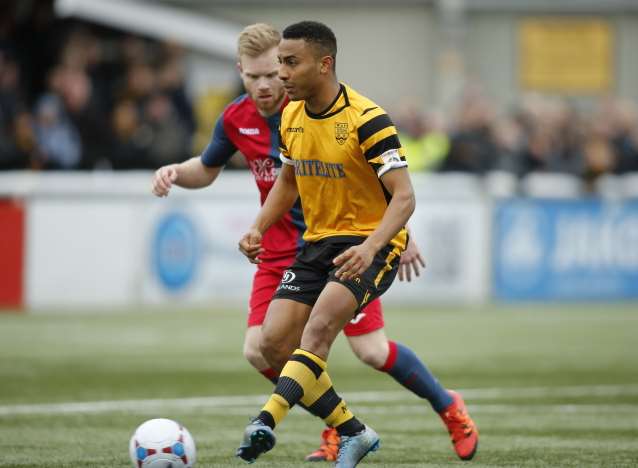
162, 443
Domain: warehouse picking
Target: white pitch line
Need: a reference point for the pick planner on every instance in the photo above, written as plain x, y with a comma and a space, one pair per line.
518, 408
548, 410
353, 397
475, 408
567, 391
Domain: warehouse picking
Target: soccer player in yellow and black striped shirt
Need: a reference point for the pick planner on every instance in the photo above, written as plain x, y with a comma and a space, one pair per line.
343, 159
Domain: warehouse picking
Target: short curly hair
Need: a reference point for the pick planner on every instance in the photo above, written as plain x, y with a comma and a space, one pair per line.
314, 33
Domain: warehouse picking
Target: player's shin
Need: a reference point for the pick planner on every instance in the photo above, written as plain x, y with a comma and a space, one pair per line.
323, 401
306, 402
304, 380
298, 376
408, 369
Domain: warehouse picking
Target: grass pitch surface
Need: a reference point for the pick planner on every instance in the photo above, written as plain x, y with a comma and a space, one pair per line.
548, 386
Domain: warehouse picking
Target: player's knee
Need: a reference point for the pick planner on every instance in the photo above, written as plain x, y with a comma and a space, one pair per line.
371, 352
318, 337
253, 355
373, 357
275, 352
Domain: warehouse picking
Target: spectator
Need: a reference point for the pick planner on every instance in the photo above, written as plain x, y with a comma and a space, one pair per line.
598, 157
15, 146
129, 140
624, 135
140, 83
171, 82
472, 145
170, 139
509, 141
86, 115
425, 142
58, 141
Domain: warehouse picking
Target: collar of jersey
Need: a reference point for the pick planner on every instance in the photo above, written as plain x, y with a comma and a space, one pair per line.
325, 113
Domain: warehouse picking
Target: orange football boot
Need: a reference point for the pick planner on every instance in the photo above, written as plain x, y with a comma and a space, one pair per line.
462, 429
329, 447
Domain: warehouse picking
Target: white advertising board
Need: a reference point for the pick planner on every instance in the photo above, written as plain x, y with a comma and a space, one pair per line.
453, 238
82, 252
120, 246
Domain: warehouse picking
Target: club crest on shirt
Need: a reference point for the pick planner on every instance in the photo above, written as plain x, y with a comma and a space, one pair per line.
264, 170
341, 132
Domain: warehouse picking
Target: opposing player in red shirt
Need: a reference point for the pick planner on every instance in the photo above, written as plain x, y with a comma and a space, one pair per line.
250, 125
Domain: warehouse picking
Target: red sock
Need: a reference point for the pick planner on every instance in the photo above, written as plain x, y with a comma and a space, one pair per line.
270, 374
392, 357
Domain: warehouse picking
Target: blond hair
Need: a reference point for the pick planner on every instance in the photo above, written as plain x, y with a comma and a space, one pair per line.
256, 39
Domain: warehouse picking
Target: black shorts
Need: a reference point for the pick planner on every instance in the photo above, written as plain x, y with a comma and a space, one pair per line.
313, 269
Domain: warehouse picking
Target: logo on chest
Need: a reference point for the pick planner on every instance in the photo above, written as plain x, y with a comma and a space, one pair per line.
264, 170
341, 132
248, 131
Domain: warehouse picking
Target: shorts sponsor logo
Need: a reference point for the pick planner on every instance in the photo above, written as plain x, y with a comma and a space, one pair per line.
288, 277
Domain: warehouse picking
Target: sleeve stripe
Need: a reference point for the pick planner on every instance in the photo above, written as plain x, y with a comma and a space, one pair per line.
388, 143
377, 137
286, 160
372, 126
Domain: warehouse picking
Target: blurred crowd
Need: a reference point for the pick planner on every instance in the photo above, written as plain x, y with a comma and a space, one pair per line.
79, 96
74, 96
541, 134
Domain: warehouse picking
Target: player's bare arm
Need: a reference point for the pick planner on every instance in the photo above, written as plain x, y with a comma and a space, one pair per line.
357, 259
280, 200
190, 174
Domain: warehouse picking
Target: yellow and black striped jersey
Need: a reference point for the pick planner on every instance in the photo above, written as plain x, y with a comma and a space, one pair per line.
338, 157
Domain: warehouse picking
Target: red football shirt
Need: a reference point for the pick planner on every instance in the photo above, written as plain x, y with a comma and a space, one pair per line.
242, 128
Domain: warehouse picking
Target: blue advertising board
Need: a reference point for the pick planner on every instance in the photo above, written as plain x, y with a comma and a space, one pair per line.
574, 250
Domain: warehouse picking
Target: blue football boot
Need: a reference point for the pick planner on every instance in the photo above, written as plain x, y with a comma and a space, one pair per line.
258, 439
352, 449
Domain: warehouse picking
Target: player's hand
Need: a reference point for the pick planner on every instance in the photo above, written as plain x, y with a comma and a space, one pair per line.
163, 180
250, 245
354, 261
410, 260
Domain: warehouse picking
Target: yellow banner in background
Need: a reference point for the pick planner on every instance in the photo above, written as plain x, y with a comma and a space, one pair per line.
567, 55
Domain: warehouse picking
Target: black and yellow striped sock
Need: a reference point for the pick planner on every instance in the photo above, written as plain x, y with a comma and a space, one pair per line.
298, 376
304, 380
323, 401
